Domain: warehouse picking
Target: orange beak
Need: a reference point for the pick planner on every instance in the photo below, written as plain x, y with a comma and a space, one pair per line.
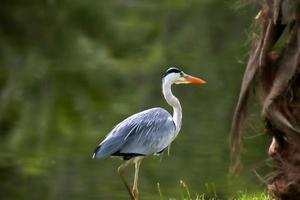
195, 80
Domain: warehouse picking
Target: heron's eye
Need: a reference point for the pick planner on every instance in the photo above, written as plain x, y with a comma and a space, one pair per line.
181, 74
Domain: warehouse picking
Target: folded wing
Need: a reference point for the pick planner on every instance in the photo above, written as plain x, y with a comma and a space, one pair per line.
144, 133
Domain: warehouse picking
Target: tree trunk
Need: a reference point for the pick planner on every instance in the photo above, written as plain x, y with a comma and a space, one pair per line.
274, 68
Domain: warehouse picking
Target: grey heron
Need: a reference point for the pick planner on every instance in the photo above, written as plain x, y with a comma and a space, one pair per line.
148, 132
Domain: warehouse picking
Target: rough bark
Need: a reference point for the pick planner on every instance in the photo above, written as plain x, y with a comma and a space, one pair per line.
274, 69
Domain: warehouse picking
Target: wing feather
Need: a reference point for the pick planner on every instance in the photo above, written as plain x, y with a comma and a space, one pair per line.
144, 133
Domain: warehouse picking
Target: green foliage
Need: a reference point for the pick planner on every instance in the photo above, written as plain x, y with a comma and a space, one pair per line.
212, 194
70, 70
262, 196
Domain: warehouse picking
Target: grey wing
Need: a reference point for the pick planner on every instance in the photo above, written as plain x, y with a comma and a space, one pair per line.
143, 133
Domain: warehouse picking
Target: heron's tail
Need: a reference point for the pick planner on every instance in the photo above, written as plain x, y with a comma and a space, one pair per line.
96, 152
104, 150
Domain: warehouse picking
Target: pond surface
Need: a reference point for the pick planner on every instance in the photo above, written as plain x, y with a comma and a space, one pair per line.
62, 168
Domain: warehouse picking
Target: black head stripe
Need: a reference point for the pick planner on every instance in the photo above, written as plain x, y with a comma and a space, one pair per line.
172, 70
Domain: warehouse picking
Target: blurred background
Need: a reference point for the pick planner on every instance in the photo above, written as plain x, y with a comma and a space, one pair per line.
71, 70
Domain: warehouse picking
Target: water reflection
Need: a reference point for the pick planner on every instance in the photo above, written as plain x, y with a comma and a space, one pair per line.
76, 176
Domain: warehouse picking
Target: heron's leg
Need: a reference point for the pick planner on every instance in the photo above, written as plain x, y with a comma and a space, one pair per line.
120, 172
135, 190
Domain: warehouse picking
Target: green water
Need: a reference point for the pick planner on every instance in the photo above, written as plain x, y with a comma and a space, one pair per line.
58, 165
70, 71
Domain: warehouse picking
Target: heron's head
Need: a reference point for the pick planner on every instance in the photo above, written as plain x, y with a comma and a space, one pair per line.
177, 76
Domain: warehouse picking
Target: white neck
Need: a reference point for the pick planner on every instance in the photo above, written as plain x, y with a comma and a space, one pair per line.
174, 102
